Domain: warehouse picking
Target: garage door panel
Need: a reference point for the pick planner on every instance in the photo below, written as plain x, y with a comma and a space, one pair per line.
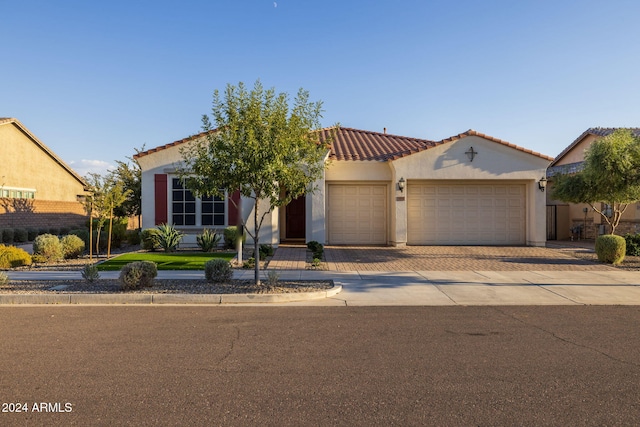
357, 214
465, 213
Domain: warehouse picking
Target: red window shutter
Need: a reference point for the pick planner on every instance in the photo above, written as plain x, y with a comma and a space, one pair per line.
233, 210
160, 188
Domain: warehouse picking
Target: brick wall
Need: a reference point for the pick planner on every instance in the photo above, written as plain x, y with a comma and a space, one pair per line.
24, 213
625, 227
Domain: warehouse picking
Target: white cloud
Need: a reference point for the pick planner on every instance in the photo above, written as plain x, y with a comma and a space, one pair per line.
83, 167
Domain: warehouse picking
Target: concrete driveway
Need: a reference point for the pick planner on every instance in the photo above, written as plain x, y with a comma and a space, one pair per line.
455, 258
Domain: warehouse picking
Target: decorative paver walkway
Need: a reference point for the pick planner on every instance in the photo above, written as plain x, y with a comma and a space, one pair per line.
289, 257
436, 258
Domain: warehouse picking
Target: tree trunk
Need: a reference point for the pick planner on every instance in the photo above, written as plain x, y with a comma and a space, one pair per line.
110, 231
91, 233
256, 246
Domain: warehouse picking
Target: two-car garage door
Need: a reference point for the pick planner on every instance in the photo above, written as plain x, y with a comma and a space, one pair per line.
465, 213
438, 213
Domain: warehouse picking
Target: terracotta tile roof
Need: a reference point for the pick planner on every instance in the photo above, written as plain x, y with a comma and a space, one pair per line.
171, 144
597, 131
355, 144
23, 129
361, 145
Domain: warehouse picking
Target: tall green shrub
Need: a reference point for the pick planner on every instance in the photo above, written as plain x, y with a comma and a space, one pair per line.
610, 248
633, 244
7, 235
20, 235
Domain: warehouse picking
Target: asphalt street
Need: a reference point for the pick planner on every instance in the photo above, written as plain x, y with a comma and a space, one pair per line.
190, 365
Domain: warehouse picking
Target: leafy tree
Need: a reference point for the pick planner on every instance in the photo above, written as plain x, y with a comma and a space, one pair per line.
611, 175
105, 194
129, 174
259, 147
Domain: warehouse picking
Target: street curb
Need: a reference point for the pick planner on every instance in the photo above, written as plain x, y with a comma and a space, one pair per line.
147, 299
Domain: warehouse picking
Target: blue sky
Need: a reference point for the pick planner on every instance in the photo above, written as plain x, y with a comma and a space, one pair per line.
95, 80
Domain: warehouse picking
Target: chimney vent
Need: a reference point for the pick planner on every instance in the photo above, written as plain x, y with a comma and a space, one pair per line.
385, 130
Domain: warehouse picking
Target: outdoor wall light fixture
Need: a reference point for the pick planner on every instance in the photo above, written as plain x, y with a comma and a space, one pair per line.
542, 184
401, 185
471, 154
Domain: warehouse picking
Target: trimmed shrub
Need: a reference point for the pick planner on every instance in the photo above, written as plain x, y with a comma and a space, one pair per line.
72, 246
208, 240
148, 239
64, 231
12, 257
7, 235
231, 235
265, 251
43, 231
4, 279
167, 237
82, 233
316, 248
138, 274
20, 235
610, 248
32, 233
90, 273
218, 271
54, 230
48, 247
633, 244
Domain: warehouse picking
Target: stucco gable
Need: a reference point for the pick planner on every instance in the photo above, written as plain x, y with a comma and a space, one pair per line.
7, 121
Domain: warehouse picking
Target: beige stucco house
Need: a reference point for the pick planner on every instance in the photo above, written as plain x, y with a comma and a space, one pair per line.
37, 189
380, 189
579, 221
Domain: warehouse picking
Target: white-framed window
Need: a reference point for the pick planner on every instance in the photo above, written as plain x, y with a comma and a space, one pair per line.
188, 210
17, 193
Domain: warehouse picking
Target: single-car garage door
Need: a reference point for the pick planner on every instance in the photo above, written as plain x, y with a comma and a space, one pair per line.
357, 214
465, 214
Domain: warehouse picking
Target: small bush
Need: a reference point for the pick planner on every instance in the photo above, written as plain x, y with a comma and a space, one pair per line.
64, 231
48, 247
316, 264
633, 244
218, 271
610, 248
231, 235
4, 279
266, 251
20, 235
43, 231
316, 248
7, 235
272, 278
12, 257
148, 239
167, 237
208, 240
53, 230
250, 263
138, 274
72, 246
32, 233
90, 273
83, 234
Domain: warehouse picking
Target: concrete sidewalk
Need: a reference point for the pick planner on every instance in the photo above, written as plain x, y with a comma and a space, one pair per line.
423, 288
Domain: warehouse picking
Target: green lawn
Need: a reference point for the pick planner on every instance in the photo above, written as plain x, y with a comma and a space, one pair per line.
166, 261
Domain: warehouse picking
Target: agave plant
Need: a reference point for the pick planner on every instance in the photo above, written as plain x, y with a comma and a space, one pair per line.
208, 240
167, 237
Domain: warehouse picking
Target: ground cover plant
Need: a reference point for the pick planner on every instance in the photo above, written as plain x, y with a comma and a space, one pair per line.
166, 261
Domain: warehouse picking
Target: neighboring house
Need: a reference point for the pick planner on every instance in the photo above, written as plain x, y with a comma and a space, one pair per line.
37, 189
579, 221
381, 189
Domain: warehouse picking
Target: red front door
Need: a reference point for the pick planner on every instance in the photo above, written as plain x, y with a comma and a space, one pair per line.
295, 215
